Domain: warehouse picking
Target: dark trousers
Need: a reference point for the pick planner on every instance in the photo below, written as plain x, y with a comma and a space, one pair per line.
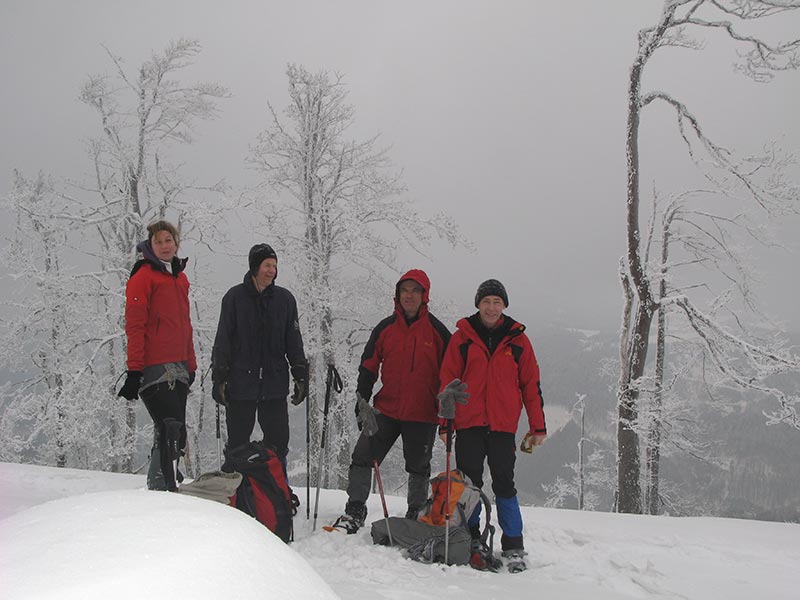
417, 450
163, 402
498, 448
273, 418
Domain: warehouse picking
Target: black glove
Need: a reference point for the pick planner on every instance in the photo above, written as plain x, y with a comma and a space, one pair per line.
219, 392
300, 391
453, 392
365, 417
130, 389
191, 379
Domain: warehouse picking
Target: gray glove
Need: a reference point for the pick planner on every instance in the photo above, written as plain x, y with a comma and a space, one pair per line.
453, 392
365, 415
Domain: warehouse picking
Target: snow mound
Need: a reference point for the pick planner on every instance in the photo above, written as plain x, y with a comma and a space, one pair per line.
140, 544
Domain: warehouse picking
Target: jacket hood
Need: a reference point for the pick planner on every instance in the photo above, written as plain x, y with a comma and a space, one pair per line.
146, 248
419, 276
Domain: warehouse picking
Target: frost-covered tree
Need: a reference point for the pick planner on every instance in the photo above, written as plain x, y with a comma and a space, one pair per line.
590, 473
144, 116
345, 221
757, 178
51, 415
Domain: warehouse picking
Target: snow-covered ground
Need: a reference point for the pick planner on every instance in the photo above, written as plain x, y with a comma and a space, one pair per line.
69, 534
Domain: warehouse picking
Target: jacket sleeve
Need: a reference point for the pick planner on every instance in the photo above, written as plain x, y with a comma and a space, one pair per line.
531, 388
294, 339
137, 308
371, 360
223, 342
452, 366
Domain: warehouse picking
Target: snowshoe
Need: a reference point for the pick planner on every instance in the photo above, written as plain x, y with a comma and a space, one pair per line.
345, 524
515, 560
481, 558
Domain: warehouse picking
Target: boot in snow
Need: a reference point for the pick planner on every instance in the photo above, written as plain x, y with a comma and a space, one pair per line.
515, 560
481, 558
355, 513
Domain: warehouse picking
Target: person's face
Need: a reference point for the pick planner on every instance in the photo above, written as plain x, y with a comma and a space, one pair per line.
491, 309
164, 246
266, 272
410, 297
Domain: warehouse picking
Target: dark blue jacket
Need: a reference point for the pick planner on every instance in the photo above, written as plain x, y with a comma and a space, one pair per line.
257, 333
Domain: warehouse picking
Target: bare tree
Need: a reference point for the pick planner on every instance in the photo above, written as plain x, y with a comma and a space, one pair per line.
757, 178
346, 220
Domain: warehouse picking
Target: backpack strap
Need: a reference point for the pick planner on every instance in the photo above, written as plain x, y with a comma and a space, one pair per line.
488, 529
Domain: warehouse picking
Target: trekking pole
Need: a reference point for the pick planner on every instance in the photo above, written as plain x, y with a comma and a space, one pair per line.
308, 457
332, 381
219, 442
448, 447
383, 500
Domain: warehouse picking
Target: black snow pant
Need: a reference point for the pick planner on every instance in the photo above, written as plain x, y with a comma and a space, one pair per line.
418, 441
273, 418
499, 449
165, 402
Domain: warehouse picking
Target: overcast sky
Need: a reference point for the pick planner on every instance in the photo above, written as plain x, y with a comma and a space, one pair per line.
508, 115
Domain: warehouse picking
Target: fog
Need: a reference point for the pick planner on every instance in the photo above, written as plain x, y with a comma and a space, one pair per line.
510, 116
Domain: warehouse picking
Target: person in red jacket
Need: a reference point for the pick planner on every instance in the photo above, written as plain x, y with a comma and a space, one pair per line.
492, 355
406, 348
161, 360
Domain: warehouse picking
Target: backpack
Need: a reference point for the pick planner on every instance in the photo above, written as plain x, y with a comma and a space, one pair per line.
424, 538
264, 492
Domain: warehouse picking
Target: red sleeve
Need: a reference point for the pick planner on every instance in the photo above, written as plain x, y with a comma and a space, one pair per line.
530, 385
137, 300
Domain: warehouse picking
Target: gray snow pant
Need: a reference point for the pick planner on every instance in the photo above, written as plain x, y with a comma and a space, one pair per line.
418, 441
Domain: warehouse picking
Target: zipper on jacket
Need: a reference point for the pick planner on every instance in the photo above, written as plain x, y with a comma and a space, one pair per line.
413, 352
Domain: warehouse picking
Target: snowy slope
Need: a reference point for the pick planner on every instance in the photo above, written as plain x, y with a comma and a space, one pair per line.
130, 543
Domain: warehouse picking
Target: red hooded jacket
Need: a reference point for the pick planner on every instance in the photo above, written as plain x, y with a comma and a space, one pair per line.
408, 357
499, 383
157, 318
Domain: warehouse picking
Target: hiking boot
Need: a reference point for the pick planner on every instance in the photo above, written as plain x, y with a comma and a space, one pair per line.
481, 558
412, 513
347, 524
515, 560
355, 513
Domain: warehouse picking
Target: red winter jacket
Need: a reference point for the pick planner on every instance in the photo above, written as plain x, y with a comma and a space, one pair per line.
157, 318
408, 357
500, 384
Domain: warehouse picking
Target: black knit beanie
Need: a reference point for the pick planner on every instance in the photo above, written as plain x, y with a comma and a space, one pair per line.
258, 254
491, 287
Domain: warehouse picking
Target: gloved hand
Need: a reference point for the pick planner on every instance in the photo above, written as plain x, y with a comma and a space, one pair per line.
300, 391
219, 385
530, 440
130, 389
453, 392
300, 376
191, 378
365, 417
219, 392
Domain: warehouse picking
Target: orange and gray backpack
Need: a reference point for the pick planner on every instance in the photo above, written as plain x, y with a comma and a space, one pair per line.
424, 538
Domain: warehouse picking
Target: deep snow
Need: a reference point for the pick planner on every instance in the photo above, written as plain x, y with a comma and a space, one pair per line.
64, 538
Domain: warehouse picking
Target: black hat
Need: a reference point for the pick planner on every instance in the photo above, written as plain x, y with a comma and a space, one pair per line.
258, 254
491, 287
